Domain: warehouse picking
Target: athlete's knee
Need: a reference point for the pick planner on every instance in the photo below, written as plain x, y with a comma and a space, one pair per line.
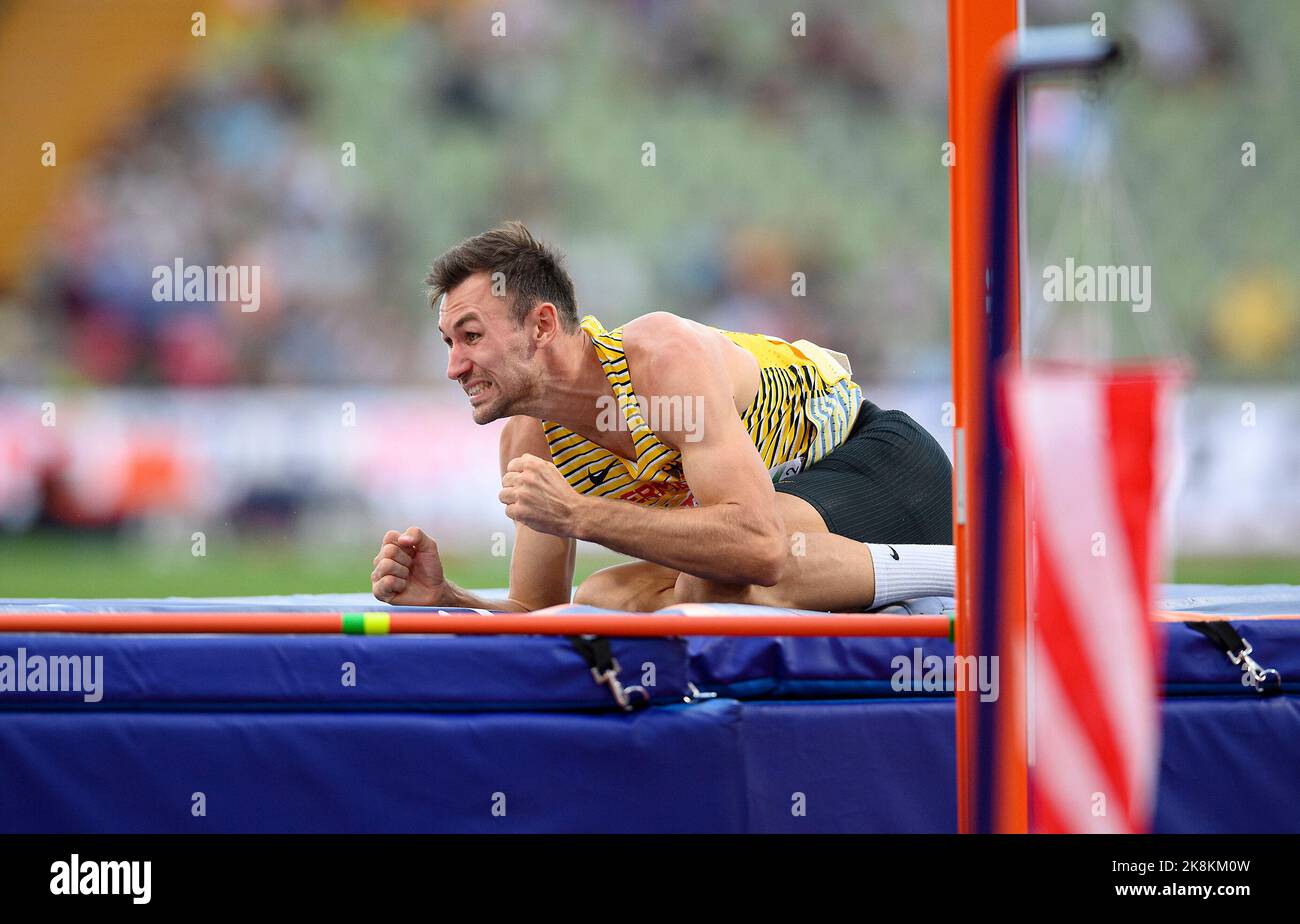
692, 589
602, 589
633, 588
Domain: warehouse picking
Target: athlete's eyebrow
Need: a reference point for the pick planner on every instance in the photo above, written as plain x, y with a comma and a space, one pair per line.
463, 319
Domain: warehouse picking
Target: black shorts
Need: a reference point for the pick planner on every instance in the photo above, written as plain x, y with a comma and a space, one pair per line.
890, 481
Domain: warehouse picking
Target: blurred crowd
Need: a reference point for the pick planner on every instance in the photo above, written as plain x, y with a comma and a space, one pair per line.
774, 156
224, 173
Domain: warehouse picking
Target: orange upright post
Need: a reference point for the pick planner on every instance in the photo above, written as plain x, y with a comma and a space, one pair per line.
976, 29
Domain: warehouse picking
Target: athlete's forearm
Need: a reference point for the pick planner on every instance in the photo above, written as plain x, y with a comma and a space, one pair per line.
456, 596
721, 542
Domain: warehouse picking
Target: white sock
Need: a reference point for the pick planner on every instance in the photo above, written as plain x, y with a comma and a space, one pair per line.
907, 571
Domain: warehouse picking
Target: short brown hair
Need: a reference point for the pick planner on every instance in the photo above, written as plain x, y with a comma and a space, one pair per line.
533, 271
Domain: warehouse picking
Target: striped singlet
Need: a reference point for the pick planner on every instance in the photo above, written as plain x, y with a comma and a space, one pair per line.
805, 406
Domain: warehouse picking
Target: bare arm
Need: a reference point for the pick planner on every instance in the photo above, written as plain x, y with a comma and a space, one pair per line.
408, 570
541, 566
736, 535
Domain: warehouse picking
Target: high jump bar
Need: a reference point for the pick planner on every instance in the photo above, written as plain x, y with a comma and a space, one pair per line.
627, 625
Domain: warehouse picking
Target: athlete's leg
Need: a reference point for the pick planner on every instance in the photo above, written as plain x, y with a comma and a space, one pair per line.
822, 572
890, 482
643, 587
634, 587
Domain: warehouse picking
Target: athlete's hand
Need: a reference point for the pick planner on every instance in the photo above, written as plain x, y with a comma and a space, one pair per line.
408, 571
536, 495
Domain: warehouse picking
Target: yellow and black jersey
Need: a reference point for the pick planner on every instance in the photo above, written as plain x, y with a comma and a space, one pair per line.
805, 406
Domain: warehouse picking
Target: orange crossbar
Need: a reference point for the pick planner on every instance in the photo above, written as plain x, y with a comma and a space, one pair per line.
390, 623
642, 625
1175, 616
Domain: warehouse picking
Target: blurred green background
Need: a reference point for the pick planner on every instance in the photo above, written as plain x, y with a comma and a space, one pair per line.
53, 566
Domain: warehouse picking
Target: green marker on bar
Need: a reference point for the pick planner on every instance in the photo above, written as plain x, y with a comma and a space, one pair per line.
366, 623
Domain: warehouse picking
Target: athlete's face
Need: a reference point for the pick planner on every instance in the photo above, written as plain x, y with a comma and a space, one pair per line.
489, 356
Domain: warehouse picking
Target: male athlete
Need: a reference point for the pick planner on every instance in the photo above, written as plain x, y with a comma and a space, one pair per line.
735, 467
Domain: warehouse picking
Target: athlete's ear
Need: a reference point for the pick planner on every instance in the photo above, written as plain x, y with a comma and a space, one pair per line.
545, 324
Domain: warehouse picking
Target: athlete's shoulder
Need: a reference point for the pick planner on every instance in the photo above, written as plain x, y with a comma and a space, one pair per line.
662, 337
670, 355
655, 325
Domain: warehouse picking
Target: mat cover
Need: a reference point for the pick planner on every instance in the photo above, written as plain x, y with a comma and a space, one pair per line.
306, 733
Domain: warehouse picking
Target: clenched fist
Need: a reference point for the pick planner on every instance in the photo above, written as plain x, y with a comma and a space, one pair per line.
536, 495
408, 571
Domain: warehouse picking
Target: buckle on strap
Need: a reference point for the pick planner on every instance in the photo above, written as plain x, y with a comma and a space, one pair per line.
628, 698
695, 695
595, 650
1253, 674
1231, 642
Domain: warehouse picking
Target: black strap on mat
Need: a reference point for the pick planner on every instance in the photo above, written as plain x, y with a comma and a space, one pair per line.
596, 651
1228, 640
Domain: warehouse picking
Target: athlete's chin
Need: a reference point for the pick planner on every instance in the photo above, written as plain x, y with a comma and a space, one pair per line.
488, 412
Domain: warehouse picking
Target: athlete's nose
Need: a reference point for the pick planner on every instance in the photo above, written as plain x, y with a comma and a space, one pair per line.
458, 365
